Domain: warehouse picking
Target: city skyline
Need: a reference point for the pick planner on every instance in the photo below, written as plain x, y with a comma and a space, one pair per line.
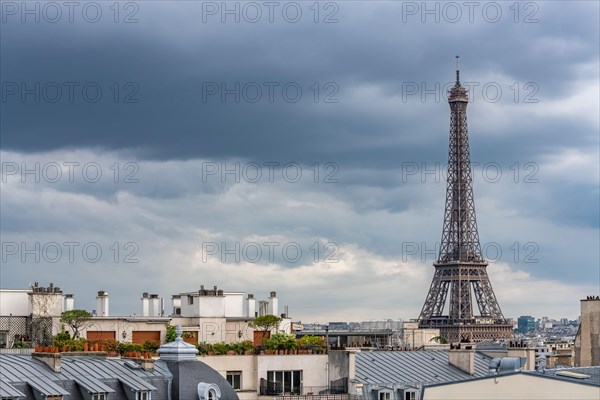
177, 166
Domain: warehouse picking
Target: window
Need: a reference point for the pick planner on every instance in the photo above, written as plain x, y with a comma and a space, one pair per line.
385, 396
208, 391
284, 381
143, 396
99, 396
235, 379
3, 340
410, 396
190, 299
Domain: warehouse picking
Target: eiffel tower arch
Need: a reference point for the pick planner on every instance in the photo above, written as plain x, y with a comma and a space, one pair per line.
460, 271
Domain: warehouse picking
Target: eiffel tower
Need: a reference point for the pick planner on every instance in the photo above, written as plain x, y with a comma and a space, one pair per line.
460, 268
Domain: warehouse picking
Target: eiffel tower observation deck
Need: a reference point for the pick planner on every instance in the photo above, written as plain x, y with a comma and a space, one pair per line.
461, 269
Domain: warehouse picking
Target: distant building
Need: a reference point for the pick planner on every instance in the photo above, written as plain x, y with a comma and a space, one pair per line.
526, 324
587, 341
383, 334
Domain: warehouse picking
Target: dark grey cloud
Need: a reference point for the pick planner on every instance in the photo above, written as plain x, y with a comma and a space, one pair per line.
170, 53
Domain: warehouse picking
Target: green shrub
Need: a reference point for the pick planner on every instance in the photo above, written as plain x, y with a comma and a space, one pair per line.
312, 342
221, 348
61, 339
20, 344
127, 347
171, 333
204, 348
150, 346
110, 345
281, 341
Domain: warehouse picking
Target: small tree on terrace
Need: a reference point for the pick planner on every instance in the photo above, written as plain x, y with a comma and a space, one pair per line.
266, 323
76, 319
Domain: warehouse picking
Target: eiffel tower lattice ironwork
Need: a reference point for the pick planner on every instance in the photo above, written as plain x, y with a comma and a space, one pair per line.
461, 269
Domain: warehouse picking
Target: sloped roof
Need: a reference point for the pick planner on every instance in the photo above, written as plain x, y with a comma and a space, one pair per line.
107, 375
413, 367
7, 390
92, 385
587, 375
87, 372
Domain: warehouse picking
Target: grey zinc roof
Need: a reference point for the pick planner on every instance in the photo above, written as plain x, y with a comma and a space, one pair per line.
412, 367
87, 372
135, 383
92, 385
7, 390
592, 372
20, 375
45, 387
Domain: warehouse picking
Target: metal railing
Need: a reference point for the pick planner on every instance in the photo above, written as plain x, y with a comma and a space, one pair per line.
344, 396
17, 351
288, 392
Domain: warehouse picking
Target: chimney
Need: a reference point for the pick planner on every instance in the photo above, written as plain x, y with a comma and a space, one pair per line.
176, 300
462, 358
69, 302
273, 304
522, 350
154, 306
145, 304
52, 360
251, 306
102, 304
588, 336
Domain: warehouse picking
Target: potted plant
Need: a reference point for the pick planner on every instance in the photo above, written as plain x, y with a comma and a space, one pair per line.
281, 342
312, 344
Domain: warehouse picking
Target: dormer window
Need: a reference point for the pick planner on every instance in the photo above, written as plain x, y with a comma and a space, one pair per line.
385, 396
208, 391
143, 395
99, 396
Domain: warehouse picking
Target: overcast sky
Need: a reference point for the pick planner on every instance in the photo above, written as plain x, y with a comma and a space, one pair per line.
298, 147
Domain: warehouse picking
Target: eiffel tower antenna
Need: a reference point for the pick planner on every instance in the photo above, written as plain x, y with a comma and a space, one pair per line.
457, 70
461, 269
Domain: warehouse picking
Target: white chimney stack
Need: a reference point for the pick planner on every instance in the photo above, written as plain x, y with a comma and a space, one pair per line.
69, 302
176, 300
102, 304
145, 304
273, 304
251, 306
154, 308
